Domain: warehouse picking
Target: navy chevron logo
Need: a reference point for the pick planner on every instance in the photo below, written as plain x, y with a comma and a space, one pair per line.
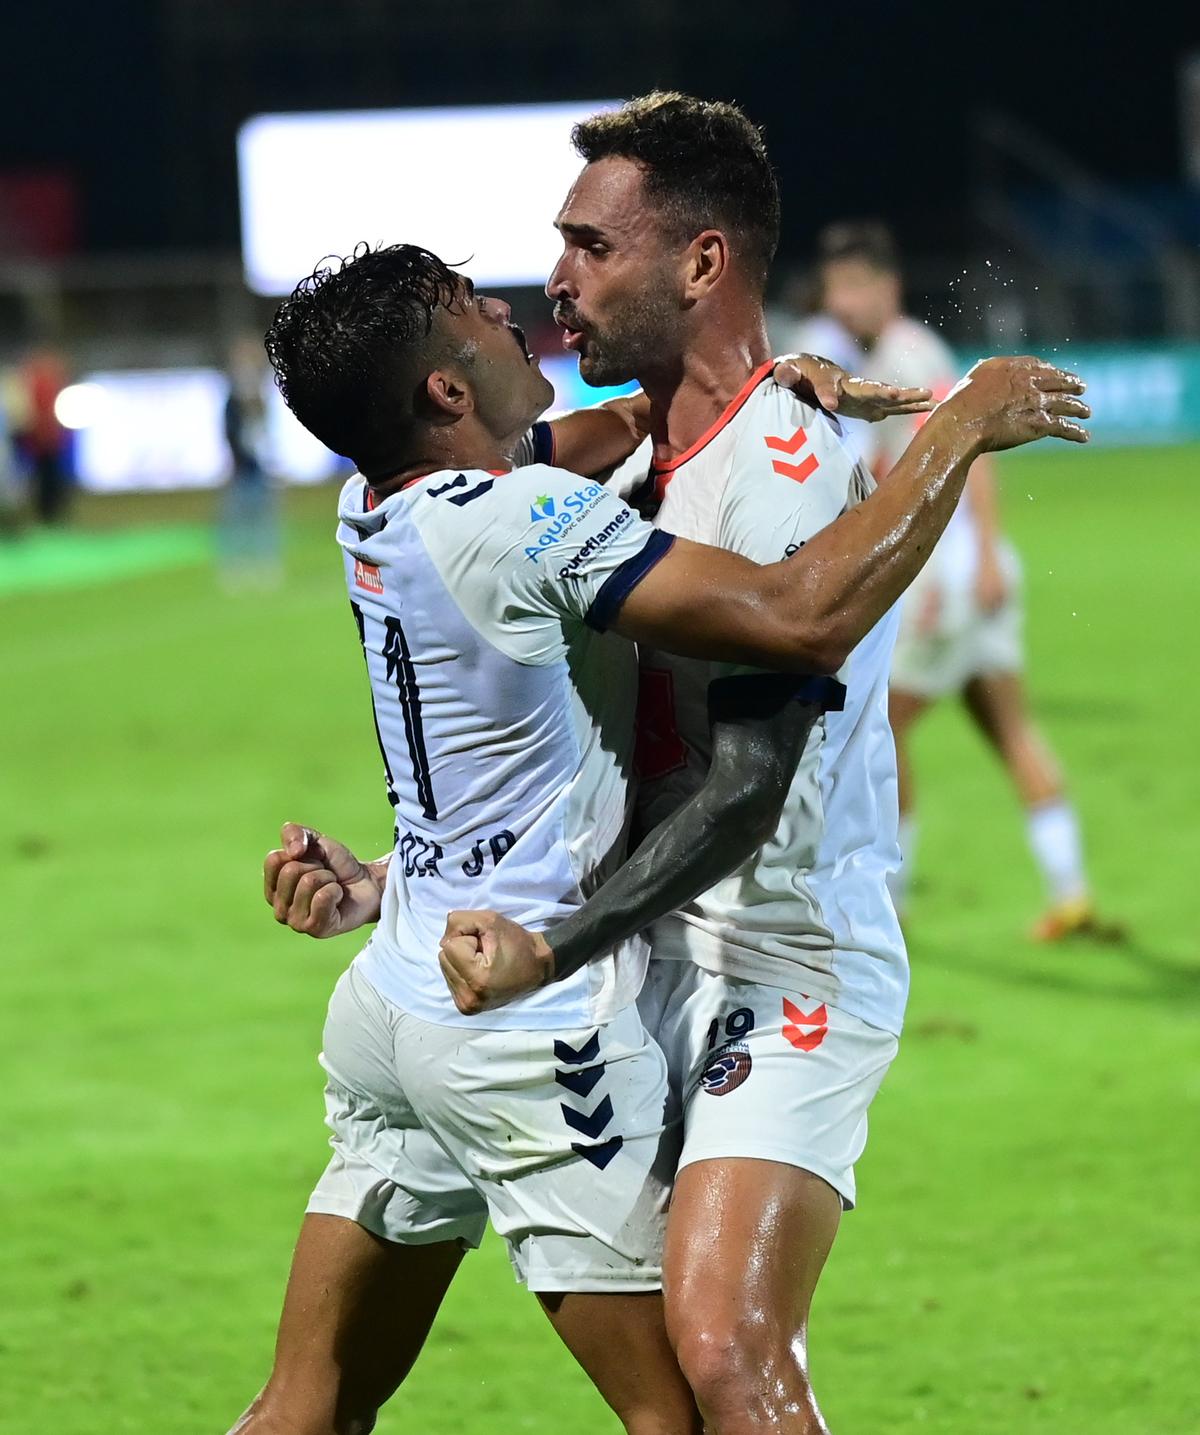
600, 1155
588, 1125
583, 1056
582, 1083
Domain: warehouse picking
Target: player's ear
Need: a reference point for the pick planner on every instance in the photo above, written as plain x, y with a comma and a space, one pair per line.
449, 394
707, 260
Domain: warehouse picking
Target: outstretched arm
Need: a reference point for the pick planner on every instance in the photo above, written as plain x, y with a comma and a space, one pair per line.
808, 612
760, 727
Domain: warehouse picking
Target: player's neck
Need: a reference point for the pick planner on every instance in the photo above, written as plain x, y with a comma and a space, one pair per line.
686, 402
459, 450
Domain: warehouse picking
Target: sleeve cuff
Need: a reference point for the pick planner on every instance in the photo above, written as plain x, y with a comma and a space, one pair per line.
763, 695
623, 580
542, 435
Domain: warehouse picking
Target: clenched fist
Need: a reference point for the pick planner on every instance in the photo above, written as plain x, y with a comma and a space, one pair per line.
318, 886
488, 960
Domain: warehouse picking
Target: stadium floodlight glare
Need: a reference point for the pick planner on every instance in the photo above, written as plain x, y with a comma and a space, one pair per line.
152, 429
165, 428
479, 185
79, 405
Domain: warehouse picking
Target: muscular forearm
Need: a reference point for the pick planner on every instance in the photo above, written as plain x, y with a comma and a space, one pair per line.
587, 441
702, 841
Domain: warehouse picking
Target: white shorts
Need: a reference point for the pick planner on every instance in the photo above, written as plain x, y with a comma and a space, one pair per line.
973, 644
759, 1071
559, 1136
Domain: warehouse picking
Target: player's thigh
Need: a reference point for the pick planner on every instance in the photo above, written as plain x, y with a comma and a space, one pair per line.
564, 1134
998, 706
620, 1340
356, 1314
747, 1240
776, 1087
387, 1171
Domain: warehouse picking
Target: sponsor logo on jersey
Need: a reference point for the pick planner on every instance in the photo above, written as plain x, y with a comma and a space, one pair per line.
553, 520
367, 576
726, 1069
801, 470
806, 1030
594, 544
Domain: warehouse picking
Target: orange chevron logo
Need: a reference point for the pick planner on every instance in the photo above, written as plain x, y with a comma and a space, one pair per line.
788, 445
816, 1020
799, 471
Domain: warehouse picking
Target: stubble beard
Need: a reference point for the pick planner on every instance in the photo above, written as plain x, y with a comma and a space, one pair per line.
640, 339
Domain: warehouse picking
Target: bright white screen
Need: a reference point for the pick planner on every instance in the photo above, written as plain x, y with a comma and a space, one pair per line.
478, 185
160, 429
165, 428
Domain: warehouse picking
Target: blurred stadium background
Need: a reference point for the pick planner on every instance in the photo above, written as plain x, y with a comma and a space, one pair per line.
178, 678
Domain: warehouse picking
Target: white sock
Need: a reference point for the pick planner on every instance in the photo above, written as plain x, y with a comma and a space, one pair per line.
1053, 831
901, 880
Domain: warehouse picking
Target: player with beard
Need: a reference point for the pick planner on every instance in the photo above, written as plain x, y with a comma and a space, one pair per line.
488, 599
778, 993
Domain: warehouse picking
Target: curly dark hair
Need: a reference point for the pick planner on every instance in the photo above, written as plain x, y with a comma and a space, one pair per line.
869, 240
702, 161
352, 343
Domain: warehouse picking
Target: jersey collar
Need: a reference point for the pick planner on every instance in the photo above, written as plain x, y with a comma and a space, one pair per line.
664, 472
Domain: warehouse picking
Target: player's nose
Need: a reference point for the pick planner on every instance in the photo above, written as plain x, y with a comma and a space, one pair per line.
497, 309
557, 286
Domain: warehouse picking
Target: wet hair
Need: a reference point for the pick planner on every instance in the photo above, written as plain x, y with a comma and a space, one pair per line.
353, 343
870, 241
703, 163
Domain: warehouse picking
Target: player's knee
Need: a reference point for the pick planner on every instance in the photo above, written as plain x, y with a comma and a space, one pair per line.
718, 1361
739, 1366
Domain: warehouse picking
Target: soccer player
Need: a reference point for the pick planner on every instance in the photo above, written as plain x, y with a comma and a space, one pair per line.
487, 602
960, 631
777, 993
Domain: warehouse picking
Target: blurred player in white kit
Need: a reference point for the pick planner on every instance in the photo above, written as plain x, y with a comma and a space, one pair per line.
961, 621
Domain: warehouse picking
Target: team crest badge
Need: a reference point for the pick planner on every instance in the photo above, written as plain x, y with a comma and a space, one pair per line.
726, 1070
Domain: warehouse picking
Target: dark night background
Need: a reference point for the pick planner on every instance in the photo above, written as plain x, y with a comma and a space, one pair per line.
867, 109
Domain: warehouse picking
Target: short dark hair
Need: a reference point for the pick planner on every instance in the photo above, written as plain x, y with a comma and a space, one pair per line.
702, 160
868, 240
352, 343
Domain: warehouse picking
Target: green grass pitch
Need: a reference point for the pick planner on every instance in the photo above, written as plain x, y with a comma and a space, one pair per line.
1025, 1254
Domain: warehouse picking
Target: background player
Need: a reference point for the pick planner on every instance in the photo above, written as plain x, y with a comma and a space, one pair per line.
961, 623
778, 993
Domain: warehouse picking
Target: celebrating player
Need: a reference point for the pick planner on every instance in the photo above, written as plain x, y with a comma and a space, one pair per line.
483, 600
777, 994
960, 630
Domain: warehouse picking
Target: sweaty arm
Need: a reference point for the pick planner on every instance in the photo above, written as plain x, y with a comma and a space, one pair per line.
588, 441
760, 726
809, 611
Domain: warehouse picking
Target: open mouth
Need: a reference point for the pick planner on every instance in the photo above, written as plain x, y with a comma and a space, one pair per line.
574, 336
522, 343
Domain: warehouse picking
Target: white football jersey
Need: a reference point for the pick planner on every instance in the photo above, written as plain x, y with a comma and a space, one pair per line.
810, 909
911, 353
504, 713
